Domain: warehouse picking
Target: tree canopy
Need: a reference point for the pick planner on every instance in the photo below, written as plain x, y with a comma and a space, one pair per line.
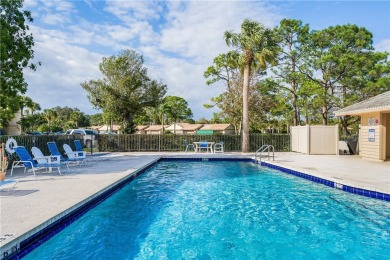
317, 72
176, 108
16, 52
125, 89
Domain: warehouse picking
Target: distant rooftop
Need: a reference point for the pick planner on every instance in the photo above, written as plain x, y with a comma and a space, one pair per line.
374, 104
185, 126
154, 128
215, 127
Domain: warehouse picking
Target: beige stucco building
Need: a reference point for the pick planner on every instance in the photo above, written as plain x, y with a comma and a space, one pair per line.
13, 127
184, 128
108, 129
154, 130
374, 133
141, 129
226, 129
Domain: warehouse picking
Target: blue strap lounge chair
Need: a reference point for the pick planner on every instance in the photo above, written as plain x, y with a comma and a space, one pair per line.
27, 162
54, 152
97, 156
78, 146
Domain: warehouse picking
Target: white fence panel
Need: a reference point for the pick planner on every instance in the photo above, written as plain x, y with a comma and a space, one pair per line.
299, 139
315, 139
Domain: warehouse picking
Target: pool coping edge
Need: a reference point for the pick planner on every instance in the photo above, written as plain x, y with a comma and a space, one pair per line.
25, 243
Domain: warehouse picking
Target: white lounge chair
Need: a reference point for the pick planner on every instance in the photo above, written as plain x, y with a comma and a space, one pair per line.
79, 157
42, 159
26, 161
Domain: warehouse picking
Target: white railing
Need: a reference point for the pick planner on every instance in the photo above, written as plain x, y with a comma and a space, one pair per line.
265, 148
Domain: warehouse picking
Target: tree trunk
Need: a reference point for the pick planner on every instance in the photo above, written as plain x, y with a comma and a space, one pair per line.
245, 111
324, 107
324, 115
162, 122
295, 109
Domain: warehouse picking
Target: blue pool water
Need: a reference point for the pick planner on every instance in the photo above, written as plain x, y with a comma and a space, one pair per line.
233, 210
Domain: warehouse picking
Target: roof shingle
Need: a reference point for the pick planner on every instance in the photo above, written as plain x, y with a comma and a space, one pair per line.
378, 103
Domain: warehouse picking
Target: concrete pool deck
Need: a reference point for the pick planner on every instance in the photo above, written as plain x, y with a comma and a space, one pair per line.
39, 200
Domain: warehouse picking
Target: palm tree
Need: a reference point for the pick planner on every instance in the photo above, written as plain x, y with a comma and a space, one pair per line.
50, 115
75, 117
257, 47
34, 107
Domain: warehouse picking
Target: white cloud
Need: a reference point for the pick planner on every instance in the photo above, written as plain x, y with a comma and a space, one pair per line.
64, 67
383, 45
193, 35
196, 30
179, 40
54, 12
54, 19
130, 11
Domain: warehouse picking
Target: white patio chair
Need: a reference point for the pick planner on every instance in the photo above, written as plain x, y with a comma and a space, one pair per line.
218, 148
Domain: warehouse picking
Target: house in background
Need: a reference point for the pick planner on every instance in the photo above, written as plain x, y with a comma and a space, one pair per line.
209, 129
184, 128
107, 129
154, 130
374, 133
141, 129
13, 128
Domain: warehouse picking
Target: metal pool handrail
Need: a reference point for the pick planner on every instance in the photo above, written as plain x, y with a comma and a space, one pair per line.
265, 148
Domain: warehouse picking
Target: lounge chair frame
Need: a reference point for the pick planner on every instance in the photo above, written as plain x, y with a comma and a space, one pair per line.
27, 162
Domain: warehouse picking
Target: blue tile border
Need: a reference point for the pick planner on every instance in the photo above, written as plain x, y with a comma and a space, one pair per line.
332, 184
199, 159
29, 244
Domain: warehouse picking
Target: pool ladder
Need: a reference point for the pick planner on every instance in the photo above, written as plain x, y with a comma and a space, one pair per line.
265, 148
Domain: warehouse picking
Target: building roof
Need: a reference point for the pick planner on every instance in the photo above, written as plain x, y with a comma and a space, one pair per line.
107, 127
95, 127
215, 127
154, 128
185, 126
375, 104
141, 127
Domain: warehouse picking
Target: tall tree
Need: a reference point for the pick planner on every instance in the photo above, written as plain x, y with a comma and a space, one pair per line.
15, 54
97, 119
292, 38
336, 57
176, 108
125, 88
257, 47
225, 69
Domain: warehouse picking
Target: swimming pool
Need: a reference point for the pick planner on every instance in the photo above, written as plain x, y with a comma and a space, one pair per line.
236, 210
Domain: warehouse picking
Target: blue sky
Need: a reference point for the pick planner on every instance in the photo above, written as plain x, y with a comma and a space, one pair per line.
178, 40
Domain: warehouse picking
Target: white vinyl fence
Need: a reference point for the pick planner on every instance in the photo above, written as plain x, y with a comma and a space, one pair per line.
315, 139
